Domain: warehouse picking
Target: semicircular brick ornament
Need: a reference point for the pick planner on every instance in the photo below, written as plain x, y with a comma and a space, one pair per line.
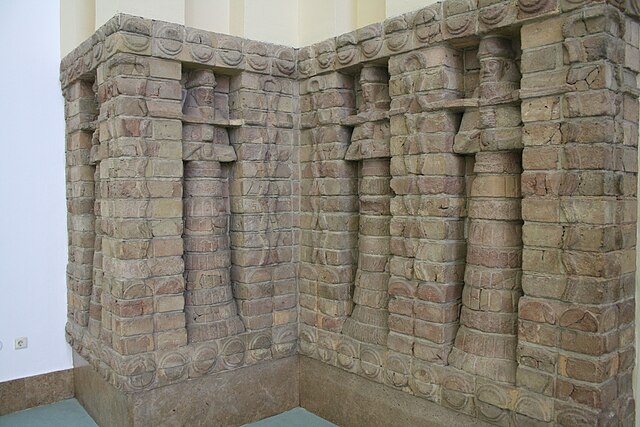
284, 342
110, 44
370, 363
457, 381
285, 61
307, 342
572, 416
534, 7
423, 380
346, 48
534, 407
305, 61
414, 61
397, 371
108, 356
457, 401
325, 349
325, 53
135, 42
230, 51
493, 395
169, 38
426, 25
284, 336
233, 353
257, 56
370, 39
459, 25
140, 372
205, 359
260, 346
201, 45
424, 372
397, 34
493, 16
87, 60
427, 390
98, 48
401, 287
92, 348
132, 24
347, 355
493, 414
173, 367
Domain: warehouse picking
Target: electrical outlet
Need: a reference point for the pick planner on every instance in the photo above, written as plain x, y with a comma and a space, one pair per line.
21, 343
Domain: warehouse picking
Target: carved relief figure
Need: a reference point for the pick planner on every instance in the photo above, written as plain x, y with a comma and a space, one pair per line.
370, 146
210, 308
486, 341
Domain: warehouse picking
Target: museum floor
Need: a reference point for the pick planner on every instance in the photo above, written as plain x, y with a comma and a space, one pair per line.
69, 413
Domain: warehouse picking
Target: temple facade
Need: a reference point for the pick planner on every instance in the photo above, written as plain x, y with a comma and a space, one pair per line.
431, 219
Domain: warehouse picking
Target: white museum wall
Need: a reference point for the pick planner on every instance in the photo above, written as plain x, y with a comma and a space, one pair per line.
32, 189
290, 22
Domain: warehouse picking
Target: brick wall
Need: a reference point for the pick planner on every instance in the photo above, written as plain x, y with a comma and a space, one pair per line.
444, 203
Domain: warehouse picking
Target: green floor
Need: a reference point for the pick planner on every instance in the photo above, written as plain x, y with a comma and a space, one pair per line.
69, 413
297, 417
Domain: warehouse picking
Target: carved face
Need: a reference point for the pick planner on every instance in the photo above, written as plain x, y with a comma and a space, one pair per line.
202, 96
493, 69
368, 94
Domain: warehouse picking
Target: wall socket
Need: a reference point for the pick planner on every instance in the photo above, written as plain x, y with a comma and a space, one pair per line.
21, 343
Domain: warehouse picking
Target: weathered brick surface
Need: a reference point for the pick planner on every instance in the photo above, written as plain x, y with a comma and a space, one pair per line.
486, 341
263, 198
572, 282
370, 146
210, 309
83, 287
426, 226
329, 202
458, 224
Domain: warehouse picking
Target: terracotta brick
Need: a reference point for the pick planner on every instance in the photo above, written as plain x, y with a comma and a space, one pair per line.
542, 33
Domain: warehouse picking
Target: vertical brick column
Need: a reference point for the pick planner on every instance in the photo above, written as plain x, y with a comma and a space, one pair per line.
141, 206
95, 305
486, 341
580, 163
628, 320
427, 227
210, 308
370, 145
263, 181
80, 114
329, 202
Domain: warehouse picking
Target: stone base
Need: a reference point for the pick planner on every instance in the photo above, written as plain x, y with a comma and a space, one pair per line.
348, 400
224, 399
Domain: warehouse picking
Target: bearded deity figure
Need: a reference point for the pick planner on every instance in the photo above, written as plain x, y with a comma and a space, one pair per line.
485, 344
370, 147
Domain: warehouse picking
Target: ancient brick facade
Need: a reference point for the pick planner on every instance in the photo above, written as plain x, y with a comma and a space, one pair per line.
444, 203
